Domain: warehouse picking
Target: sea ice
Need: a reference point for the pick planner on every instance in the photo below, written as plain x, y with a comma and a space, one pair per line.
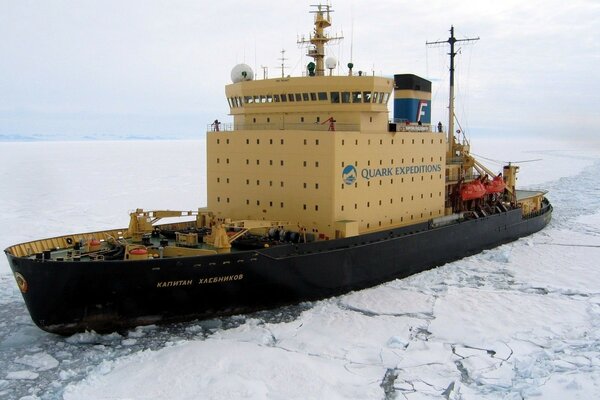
40, 361
521, 320
22, 375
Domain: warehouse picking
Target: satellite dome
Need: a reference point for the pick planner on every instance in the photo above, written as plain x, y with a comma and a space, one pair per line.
241, 72
330, 62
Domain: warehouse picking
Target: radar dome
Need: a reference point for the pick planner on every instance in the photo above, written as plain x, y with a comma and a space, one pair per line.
241, 72
330, 62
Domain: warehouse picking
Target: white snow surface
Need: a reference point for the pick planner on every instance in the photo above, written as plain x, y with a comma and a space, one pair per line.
518, 321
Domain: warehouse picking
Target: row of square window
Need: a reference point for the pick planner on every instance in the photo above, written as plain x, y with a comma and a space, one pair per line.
281, 141
305, 163
305, 185
317, 140
305, 207
343, 163
334, 97
257, 182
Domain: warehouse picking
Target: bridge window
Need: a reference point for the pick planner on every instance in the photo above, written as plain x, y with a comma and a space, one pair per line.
367, 97
290, 97
276, 98
283, 98
305, 96
313, 96
345, 97
298, 97
322, 95
335, 97
356, 97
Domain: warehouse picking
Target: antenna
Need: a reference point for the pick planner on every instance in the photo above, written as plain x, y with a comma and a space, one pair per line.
282, 59
265, 71
316, 41
352, 33
451, 40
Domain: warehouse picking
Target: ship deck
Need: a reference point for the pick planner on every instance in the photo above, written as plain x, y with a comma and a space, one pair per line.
528, 194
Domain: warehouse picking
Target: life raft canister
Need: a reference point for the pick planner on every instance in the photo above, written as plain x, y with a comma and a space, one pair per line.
94, 245
138, 254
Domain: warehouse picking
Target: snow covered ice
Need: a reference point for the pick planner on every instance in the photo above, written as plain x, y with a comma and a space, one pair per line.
518, 321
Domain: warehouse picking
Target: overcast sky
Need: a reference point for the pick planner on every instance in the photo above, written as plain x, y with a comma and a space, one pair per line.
158, 68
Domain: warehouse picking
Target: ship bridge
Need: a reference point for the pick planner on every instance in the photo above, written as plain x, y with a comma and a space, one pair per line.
356, 103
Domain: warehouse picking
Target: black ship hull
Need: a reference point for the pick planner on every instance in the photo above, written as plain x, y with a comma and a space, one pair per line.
67, 297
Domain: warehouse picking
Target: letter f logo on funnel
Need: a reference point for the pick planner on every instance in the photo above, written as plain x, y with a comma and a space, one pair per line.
349, 175
422, 110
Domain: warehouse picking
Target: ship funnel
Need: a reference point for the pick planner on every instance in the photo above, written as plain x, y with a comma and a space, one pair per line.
412, 99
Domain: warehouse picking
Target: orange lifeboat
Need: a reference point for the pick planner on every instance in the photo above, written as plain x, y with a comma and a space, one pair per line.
496, 185
472, 190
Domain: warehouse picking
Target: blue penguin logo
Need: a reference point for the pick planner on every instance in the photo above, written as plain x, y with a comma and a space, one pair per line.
349, 175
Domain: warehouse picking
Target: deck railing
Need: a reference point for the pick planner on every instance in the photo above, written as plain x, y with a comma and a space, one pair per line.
228, 127
318, 126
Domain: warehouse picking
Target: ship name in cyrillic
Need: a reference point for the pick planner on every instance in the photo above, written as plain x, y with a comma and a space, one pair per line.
201, 281
220, 279
184, 282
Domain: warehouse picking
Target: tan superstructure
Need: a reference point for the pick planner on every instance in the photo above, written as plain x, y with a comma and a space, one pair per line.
319, 151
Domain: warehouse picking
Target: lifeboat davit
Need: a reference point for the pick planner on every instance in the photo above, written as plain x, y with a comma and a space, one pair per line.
472, 190
496, 185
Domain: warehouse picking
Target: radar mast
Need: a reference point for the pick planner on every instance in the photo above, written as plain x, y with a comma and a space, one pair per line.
318, 39
451, 40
